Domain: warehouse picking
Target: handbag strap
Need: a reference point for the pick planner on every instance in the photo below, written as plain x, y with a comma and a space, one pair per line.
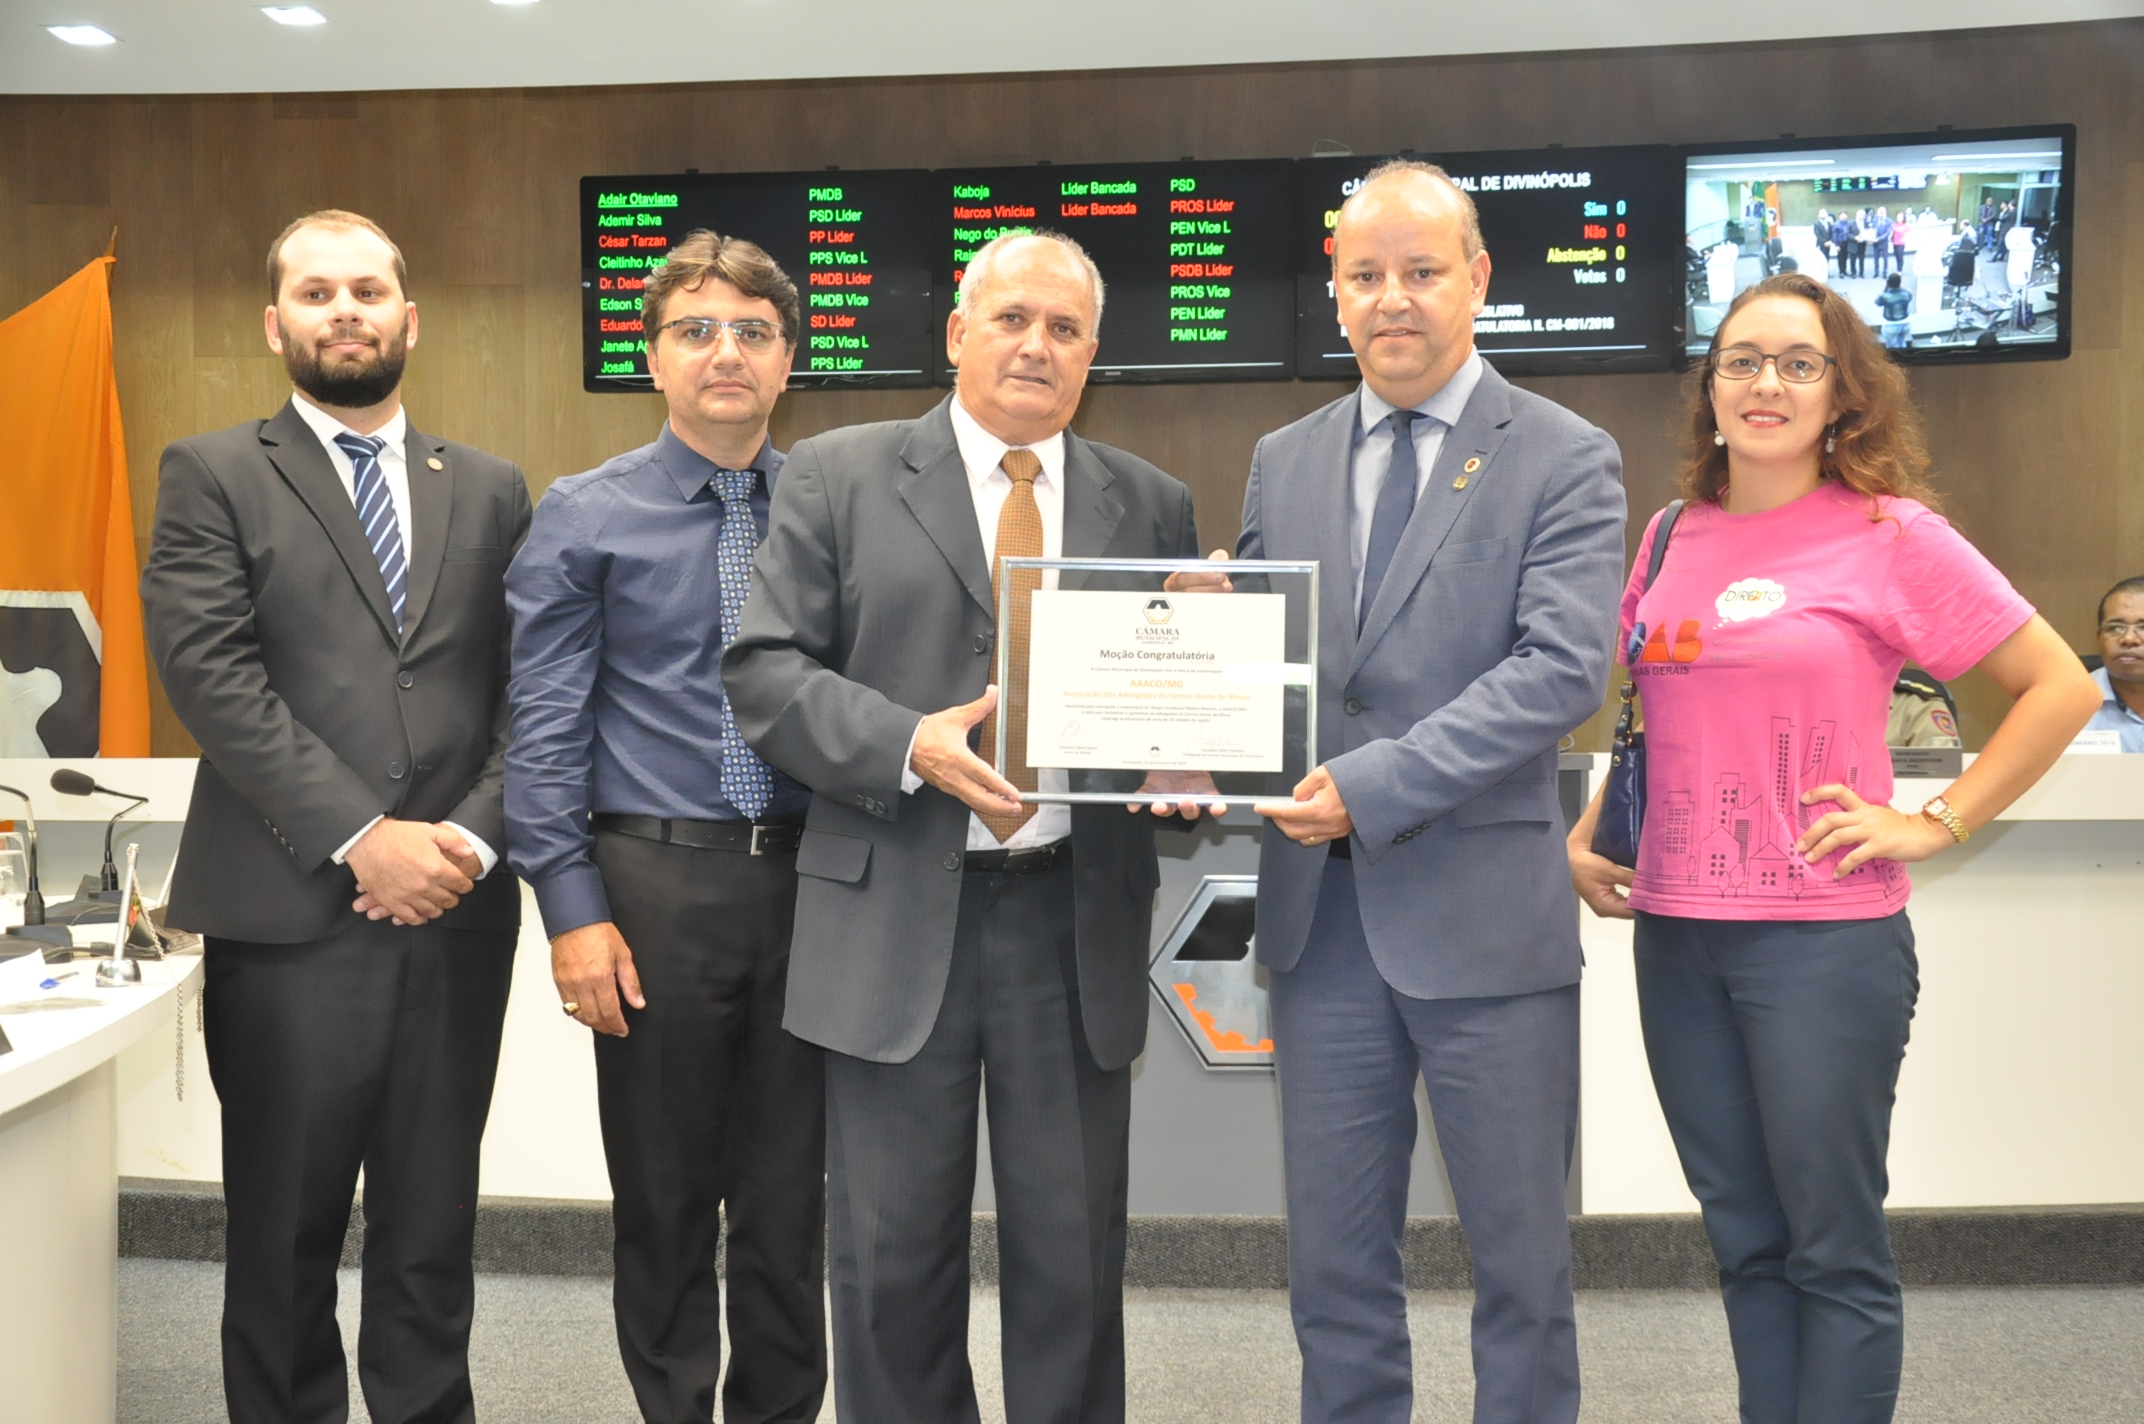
1663, 530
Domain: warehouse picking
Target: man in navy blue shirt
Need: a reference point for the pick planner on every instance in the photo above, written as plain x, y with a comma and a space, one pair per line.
663, 855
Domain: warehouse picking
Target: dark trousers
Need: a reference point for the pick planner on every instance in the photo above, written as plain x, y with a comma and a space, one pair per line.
901, 1146
1502, 1075
710, 1109
1775, 1048
373, 1048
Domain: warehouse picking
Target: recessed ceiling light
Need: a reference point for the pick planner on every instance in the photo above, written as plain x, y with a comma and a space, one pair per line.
513, 2
81, 34
294, 14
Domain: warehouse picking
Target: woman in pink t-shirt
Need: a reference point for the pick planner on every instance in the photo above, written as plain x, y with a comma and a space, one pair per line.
1776, 970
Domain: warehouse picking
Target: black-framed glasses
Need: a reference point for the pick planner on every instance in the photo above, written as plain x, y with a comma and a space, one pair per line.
704, 333
1801, 365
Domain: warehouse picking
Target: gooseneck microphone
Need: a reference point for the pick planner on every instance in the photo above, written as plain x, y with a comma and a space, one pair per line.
33, 904
69, 782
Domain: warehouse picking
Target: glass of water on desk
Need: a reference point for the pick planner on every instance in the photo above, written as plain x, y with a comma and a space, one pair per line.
14, 879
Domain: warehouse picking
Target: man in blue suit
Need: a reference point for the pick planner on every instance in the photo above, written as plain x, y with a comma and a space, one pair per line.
1414, 910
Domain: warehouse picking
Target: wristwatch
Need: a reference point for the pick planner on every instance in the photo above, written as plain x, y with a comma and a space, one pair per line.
1939, 811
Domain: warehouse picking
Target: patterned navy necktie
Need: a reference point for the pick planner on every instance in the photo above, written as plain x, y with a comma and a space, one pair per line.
747, 783
1395, 506
376, 513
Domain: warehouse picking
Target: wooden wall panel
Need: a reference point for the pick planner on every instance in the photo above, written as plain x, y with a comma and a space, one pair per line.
2043, 464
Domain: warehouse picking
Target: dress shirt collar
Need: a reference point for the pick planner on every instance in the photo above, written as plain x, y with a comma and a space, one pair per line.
981, 451
2115, 707
690, 470
1445, 406
327, 427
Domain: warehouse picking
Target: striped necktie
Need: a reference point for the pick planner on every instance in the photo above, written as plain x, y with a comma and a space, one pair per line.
747, 784
376, 513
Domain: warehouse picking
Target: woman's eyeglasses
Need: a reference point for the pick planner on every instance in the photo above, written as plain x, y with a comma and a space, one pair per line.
1801, 365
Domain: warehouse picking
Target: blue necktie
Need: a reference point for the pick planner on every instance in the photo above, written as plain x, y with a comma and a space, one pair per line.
376, 513
1395, 506
747, 784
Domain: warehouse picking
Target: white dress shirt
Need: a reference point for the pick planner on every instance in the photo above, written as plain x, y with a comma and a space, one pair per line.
983, 454
394, 465
1373, 453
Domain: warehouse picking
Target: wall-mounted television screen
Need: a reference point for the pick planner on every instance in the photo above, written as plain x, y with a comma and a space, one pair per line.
857, 245
1194, 257
1581, 250
1952, 245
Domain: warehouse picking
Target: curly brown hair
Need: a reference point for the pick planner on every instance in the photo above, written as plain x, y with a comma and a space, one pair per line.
1878, 446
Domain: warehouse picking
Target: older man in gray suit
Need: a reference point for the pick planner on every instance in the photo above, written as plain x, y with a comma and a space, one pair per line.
949, 939
1414, 909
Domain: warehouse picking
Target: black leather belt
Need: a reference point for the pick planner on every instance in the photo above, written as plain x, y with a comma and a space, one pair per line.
1018, 862
775, 838
1343, 848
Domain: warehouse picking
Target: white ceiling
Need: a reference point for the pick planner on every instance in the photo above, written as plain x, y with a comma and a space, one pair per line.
228, 46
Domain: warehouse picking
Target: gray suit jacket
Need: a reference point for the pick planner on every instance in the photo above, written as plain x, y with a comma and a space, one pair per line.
871, 607
1490, 639
269, 622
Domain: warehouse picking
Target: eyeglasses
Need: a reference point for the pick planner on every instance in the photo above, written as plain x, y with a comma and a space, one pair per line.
704, 333
1801, 365
2120, 630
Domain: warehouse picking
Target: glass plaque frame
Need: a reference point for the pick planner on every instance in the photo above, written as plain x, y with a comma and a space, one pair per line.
1228, 690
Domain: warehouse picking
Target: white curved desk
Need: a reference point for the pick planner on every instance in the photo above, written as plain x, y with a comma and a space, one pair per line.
59, 1095
59, 1192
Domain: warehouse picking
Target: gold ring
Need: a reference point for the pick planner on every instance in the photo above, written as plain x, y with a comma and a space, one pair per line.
571, 1008
1312, 840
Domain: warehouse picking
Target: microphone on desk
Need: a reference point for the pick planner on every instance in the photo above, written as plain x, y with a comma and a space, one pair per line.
69, 782
33, 904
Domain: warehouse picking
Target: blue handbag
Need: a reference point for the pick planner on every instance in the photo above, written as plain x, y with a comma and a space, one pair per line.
1615, 833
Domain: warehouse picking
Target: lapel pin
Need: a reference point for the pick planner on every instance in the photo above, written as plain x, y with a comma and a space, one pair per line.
1460, 482
433, 461
1473, 464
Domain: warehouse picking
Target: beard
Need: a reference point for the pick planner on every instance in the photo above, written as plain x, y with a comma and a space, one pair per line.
349, 385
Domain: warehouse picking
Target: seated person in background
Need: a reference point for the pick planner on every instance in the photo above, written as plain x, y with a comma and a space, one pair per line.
1922, 712
1964, 261
1896, 304
2121, 674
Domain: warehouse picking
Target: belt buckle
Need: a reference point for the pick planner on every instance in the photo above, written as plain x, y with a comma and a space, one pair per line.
757, 847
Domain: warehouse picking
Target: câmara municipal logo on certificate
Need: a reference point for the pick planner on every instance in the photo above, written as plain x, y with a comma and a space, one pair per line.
1155, 625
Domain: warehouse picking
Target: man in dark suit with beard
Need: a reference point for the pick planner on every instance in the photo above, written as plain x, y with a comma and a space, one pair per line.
324, 598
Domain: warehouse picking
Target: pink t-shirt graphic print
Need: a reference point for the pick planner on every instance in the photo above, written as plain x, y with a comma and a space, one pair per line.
1768, 648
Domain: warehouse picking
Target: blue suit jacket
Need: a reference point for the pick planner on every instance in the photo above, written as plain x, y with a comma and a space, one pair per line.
1491, 638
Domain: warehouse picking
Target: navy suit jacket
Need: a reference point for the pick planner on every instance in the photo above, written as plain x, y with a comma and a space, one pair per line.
1490, 639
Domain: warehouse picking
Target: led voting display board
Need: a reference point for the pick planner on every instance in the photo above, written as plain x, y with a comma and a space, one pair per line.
1197, 258
1581, 249
856, 244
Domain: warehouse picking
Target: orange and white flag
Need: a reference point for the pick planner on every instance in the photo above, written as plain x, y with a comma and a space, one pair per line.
74, 680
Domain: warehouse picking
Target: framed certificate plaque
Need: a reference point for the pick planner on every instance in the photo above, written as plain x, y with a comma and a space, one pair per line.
1127, 680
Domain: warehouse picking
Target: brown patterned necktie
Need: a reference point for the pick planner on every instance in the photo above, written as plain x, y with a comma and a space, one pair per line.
1019, 537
